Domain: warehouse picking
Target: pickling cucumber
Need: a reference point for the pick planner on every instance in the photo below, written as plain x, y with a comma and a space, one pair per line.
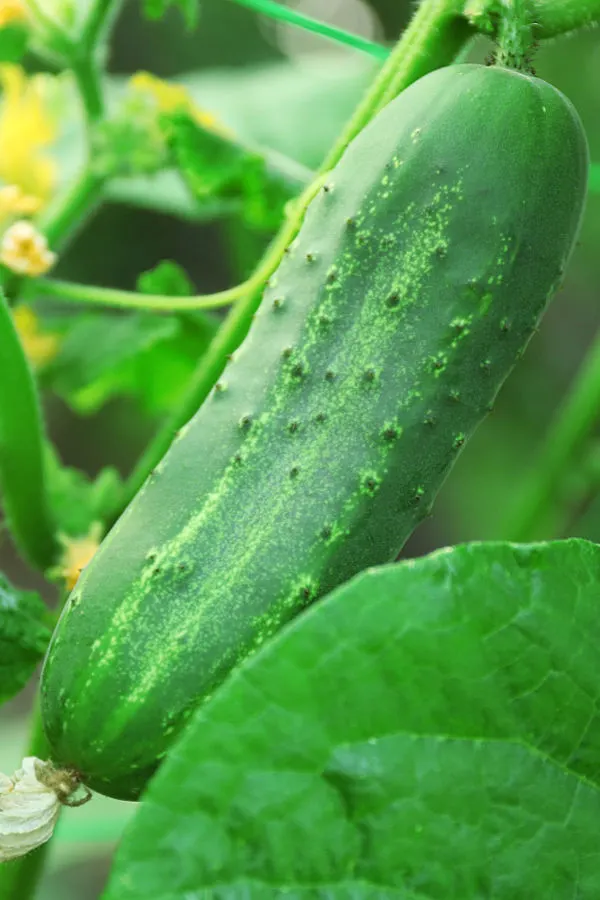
419, 275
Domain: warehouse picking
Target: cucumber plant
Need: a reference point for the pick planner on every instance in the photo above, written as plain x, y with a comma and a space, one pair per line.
323, 416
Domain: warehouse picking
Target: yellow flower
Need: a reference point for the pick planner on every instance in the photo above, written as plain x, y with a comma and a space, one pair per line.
12, 11
77, 554
27, 129
40, 347
24, 250
14, 201
170, 98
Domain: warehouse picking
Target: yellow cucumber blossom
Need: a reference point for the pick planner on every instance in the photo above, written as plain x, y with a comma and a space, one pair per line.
14, 201
169, 98
77, 553
12, 11
27, 129
40, 347
24, 250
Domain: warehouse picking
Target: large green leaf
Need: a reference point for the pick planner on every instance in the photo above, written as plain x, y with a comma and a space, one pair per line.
25, 628
143, 355
296, 107
430, 730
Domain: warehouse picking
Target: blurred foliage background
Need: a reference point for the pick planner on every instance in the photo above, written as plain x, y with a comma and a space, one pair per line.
289, 91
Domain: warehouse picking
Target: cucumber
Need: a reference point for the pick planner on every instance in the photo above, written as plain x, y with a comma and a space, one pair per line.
419, 275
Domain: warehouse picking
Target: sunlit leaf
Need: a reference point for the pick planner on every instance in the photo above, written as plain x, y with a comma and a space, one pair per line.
429, 730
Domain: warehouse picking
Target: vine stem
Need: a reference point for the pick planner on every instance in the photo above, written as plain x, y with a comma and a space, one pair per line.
56, 37
434, 37
98, 22
554, 17
120, 299
61, 218
292, 17
564, 441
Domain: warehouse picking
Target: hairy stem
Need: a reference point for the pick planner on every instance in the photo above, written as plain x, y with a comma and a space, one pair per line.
433, 38
21, 452
515, 38
555, 17
567, 436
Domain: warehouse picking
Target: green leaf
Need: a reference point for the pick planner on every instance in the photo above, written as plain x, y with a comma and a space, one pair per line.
214, 164
99, 353
166, 193
77, 501
24, 635
129, 144
423, 732
166, 278
13, 42
142, 355
155, 9
296, 108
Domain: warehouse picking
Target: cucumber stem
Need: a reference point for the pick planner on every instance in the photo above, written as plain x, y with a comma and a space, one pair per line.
514, 40
123, 299
308, 23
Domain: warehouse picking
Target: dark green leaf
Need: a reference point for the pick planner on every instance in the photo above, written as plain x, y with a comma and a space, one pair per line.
423, 732
24, 634
143, 355
155, 9
77, 501
98, 353
214, 164
166, 278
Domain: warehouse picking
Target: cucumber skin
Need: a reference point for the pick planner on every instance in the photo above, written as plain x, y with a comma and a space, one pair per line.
417, 279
